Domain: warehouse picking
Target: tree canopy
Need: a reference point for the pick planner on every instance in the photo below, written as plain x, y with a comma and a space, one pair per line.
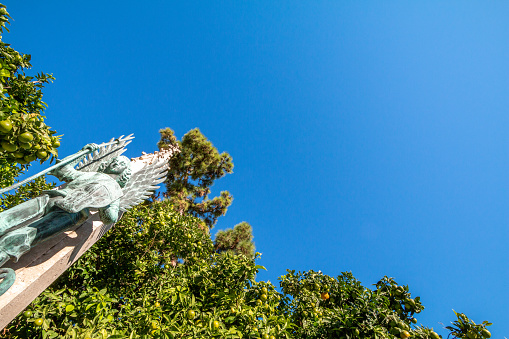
238, 240
193, 171
126, 287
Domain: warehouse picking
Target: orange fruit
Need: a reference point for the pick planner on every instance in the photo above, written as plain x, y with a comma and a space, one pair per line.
324, 296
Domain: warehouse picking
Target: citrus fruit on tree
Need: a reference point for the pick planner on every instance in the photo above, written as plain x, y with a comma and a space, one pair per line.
410, 303
5, 126
263, 297
25, 137
404, 334
42, 154
215, 324
191, 314
154, 325
8, 146
56, 144
264, 290
26, 145
434, 335
29, 158
485, 333
324, 296
27, 314
38, 322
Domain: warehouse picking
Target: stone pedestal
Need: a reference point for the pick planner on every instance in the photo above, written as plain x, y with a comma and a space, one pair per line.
36, 270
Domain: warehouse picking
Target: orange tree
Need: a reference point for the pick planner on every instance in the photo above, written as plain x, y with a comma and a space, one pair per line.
125, 287
24, 136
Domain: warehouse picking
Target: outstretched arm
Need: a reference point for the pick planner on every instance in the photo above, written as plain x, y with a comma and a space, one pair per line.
68, 170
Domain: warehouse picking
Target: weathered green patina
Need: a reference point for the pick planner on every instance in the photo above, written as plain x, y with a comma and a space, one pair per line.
104, 182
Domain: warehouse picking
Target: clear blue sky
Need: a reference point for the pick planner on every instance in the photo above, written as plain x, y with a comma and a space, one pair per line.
367, 136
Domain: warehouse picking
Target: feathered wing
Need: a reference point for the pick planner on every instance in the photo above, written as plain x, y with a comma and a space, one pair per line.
142, 183
92, 162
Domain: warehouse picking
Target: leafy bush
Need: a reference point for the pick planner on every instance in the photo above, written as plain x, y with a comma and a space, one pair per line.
156, 274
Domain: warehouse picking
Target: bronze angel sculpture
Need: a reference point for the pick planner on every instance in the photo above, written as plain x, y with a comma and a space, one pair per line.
102, 180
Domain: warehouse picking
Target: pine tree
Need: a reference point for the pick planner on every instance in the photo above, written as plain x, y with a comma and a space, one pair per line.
192, 172
238, 240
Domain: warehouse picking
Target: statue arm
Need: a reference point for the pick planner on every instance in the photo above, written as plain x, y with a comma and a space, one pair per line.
69, 168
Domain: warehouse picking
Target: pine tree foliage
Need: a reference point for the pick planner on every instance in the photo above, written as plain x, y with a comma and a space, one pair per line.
238, 240
192, 172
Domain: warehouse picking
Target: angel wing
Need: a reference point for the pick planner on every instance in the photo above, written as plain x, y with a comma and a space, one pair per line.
142, 183
104, 154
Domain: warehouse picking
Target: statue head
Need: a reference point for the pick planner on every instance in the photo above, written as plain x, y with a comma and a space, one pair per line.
121, 166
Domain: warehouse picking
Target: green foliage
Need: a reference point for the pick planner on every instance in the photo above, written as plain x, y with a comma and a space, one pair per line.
192, 172
467, 328
8, 172
238, 240
24, 136
125, 286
